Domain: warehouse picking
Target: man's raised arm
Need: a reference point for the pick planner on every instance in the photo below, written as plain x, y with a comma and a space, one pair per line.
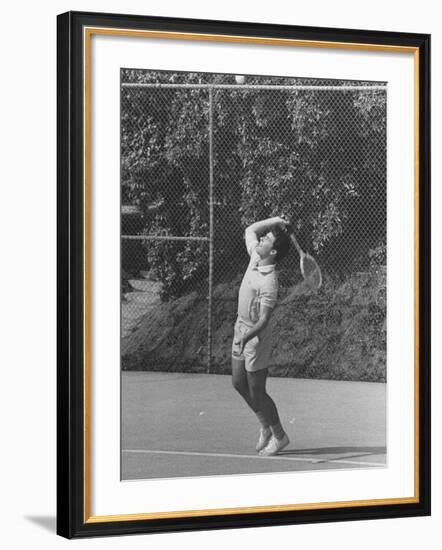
256, 230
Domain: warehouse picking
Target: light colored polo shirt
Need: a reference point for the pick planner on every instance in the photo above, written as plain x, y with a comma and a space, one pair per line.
259, 286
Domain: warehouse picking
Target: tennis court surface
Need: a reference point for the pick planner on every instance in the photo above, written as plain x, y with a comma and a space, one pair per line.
183, 425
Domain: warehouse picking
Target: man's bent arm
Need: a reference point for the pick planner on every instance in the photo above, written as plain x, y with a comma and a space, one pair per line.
264, 318
264, 226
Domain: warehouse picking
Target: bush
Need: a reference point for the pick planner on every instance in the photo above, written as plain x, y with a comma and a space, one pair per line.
317, 157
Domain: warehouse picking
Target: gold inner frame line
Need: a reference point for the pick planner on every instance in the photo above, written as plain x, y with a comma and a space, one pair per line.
87, 33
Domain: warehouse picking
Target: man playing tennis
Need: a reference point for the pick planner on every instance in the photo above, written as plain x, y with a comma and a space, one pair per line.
267, 243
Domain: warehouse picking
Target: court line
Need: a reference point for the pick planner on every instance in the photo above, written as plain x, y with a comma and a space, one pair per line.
278, 457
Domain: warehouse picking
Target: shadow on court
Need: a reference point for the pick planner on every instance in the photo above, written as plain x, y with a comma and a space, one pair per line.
184, 425
348, 451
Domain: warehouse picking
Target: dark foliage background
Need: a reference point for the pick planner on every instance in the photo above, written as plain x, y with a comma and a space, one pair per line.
318, 157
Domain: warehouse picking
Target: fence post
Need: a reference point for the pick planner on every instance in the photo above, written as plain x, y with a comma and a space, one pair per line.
210, 290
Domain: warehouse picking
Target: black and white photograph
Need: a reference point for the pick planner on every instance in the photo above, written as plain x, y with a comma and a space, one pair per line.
243, 271
220, 290
253, 240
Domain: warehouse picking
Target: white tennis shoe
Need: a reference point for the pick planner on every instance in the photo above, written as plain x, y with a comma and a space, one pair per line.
274, 446
264, 438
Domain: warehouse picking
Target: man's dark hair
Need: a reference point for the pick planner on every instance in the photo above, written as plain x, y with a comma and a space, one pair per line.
281, 243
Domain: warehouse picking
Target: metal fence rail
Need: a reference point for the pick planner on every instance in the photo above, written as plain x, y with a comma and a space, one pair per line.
269, 87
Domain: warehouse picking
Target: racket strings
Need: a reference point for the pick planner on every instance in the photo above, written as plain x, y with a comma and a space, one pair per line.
311, 272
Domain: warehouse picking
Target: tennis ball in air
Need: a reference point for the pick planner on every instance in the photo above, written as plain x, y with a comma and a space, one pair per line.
240, 79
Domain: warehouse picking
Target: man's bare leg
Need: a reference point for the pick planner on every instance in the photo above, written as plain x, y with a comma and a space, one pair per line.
239, 380
241, 384
262, 400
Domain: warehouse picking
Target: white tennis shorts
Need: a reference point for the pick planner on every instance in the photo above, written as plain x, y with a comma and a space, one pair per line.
257, 351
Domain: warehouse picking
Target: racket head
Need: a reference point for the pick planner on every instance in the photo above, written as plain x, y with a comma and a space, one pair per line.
311, 272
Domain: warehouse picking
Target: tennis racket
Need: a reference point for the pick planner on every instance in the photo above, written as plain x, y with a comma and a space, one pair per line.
309, 268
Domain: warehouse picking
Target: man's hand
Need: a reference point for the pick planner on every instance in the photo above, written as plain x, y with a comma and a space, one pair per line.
239, 346
280, 221
285, 224
241, 343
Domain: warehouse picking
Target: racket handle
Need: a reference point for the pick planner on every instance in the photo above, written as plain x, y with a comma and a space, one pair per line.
295, 242
291, 231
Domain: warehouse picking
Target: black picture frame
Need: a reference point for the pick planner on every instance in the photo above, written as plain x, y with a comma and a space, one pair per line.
73, 518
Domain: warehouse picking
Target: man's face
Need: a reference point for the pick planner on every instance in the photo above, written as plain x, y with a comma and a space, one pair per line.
265, 246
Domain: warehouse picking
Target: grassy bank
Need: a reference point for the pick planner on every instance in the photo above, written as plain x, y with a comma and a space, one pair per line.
339, 333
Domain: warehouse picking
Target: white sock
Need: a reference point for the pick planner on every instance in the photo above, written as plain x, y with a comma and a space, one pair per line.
278, 430
264, 424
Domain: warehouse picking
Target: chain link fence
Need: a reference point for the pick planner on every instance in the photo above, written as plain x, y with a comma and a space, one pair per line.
203, 157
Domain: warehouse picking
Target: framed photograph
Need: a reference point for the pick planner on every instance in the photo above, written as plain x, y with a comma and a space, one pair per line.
243, 274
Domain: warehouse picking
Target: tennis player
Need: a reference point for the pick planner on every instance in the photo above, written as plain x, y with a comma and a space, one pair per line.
267, 243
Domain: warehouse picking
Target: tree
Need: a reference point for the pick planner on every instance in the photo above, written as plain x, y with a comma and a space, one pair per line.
318, 157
